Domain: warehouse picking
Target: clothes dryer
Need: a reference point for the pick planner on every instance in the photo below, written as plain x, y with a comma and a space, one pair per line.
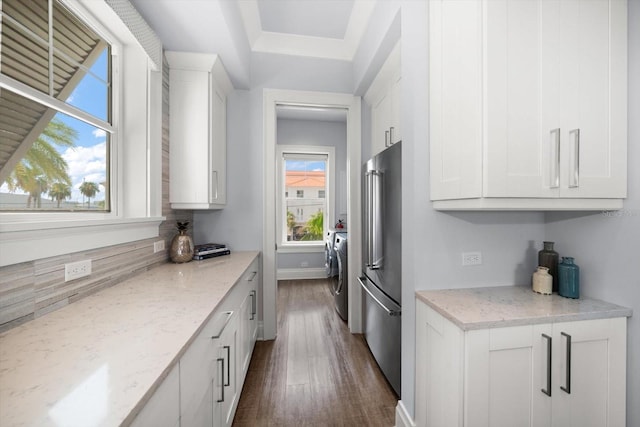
341, 285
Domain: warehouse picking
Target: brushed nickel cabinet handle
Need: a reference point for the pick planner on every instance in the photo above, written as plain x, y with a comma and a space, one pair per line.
555, 163
253, 305
392, 139
574, 174
228, 382
548, 389
221, 359
386, 138
567, 380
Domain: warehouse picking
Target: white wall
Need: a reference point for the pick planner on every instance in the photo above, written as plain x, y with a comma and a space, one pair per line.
607, 248
312, 132
239, 224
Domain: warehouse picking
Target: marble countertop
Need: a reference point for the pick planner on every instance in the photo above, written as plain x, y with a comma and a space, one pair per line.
494, 307
96, 361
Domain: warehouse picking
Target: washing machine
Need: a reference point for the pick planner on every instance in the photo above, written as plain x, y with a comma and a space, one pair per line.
330, 259
341, 285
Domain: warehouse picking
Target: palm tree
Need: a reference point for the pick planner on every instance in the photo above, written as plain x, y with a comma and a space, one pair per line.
315, 227
291, 222
60, 191
43, 164
89, 189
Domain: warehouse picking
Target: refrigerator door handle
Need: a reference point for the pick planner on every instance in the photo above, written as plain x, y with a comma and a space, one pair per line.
369, 219
376, 220
389, 311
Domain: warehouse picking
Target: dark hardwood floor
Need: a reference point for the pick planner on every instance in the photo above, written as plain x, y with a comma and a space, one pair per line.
315, 373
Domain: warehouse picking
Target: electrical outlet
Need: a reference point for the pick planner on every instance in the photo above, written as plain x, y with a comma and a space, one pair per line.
471, 258
158, 246
304, 264
76, 270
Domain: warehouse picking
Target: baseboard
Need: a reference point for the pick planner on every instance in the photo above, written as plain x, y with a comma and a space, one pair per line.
403, 419
301, 273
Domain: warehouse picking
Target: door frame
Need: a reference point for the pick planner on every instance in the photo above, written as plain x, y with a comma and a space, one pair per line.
351, 103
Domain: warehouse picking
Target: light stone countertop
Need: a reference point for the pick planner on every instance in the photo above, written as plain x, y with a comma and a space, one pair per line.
96, 362
496, 307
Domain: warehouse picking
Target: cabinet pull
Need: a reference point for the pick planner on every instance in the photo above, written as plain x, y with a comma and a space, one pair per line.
226, 322
253, 305
221, 359
567, 380
228, 382
253, 275
386, 138
555, 163
214, 184
392, 139
574, 175
548, 389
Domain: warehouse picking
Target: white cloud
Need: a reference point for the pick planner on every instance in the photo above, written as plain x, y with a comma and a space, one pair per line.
86, 164
99, 133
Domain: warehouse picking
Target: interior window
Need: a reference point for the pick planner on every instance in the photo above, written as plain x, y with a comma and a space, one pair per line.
55, 110
305, 177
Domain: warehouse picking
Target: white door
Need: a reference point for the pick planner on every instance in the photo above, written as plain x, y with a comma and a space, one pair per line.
455, 99
507, 377
522, 98
589, 373
594, 99
218, 150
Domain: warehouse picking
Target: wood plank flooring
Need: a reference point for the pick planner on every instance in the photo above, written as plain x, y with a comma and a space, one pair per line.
315, 373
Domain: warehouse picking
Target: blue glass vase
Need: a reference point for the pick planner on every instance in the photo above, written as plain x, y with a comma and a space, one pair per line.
568, 278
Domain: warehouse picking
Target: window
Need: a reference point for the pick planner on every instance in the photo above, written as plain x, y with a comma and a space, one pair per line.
56, 121
304, 171
72, 139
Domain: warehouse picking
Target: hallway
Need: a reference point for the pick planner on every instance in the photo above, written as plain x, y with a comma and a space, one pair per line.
315, 373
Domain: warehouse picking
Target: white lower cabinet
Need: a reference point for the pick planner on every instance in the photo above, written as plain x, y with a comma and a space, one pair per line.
249, 317
204, 388
163, 409
540, 375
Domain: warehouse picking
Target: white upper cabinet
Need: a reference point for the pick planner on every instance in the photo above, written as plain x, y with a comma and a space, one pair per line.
384, 98
528, 104
198, 89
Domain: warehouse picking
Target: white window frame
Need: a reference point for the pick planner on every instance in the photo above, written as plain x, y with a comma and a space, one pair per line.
136, 192
296, 247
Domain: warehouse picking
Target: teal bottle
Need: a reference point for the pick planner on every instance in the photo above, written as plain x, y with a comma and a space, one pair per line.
568, 278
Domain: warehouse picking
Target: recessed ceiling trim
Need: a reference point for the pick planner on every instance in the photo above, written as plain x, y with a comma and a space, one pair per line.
293, 44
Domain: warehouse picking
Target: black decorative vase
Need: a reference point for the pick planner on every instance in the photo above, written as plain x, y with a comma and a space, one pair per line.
547, 257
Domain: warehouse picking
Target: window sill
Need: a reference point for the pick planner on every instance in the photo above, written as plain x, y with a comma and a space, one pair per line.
28, 241
292, 249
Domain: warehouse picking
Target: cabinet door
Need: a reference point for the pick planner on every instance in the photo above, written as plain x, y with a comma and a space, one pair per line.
439, 370
507, 371
594, 98
197, 371
381, 122
522, 98
589, 381
189, 153
218, 161
163, 409
227, 348
395, 122
455, 98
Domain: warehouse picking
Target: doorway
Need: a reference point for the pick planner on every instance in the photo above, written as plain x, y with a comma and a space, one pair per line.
274, 99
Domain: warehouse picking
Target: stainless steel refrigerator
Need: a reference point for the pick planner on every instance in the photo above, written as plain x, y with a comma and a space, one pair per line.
382, 256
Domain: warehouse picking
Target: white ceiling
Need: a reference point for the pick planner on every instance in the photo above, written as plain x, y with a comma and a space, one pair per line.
328, 18
234, 28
